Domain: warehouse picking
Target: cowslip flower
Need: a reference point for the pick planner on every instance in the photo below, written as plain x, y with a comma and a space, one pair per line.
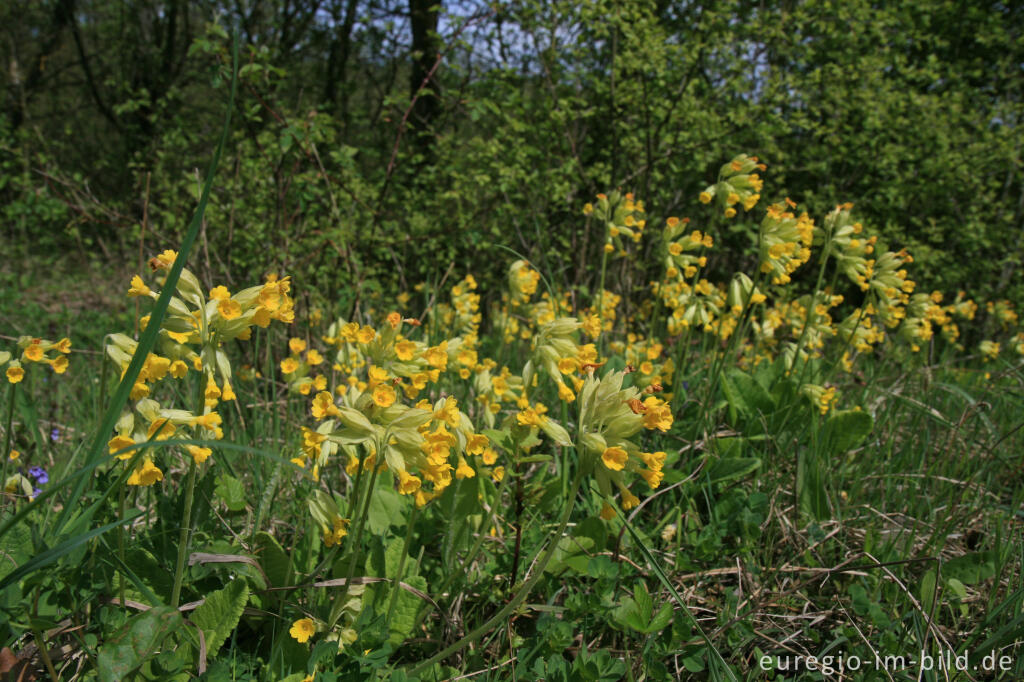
302, 630
146, 474
15, 373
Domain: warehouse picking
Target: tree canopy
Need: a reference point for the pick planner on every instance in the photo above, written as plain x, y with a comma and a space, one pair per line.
380, 140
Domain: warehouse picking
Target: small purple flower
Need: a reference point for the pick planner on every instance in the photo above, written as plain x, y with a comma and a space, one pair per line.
36, 492
39, 474
55, 434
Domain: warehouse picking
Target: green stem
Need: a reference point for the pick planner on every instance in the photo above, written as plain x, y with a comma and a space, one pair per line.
520, 596
45, 654
185, 537
356, 542
7, 437
563, 463
351, 510
473, 552
811, 308
600, 290
120, 545
396, 585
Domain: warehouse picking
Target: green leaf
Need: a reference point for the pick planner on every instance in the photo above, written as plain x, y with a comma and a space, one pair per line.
15, 549
136, 642
635, 612
661, 619
387, 508
971, 569
51, 555
272, 558
219, 614
746, 396
927, 590
155, 576
231, 492
844, 430
732, 468
810, 487
407, 607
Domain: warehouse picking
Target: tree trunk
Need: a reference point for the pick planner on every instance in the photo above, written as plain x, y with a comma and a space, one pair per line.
423, 83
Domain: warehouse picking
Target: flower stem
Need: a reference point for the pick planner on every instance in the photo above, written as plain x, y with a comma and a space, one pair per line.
7, 436
356, 541
185, 537
521, 595
396, 585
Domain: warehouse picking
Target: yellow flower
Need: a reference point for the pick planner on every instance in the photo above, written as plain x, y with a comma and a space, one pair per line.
568, 365
59, 364
313, 357
208, 421
323, 405
138, 287
63, 346
653, 477
498, 474
164, 261
119, 442
437, 356
199, 454
658, 415
212, 392
614, 458
178, 369
34, 352
476, 444
489, 456
15, 455
289, 365
302, 630
180, 337
161, 429
565, 393
296, 345
15, 373
366, 335
408, 484
405, 350
333, 537
146, 474
384, 395
607, 512
229, 309
629, 500
220, 293
464, 470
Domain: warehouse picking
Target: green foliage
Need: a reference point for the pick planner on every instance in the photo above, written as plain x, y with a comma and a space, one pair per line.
218, 615
137, 642
892, 522
911, 111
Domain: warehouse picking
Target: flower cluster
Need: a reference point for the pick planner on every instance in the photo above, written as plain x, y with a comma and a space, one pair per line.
623, 218
737, 184
191, 339
37, 351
